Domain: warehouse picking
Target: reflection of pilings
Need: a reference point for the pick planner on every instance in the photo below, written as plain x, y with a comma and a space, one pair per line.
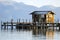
35, 30
49, 35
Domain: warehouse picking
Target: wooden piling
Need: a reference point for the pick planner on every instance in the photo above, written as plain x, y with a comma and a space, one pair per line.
29, 20
56, 27
11, 24
7, 25
23, 24
4, 26
23, 20
1, 25
22, 27
59, 26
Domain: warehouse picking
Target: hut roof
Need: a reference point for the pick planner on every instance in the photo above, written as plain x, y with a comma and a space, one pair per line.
41, 12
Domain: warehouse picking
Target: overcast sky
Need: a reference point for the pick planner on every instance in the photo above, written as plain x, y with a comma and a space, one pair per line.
38, 3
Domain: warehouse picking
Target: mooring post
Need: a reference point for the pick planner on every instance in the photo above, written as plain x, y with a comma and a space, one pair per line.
1, 25
17, 25
41, 26
4, 26
7, 25
23, 24
11, 24
56, 26
59, 26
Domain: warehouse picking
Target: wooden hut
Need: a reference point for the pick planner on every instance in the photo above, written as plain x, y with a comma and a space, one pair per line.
42, 17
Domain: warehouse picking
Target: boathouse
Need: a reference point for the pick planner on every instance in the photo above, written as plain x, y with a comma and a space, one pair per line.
42, 17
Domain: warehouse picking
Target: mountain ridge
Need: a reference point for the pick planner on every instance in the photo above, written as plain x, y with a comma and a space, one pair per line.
21, 10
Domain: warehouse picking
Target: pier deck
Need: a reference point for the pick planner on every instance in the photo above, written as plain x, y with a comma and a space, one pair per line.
28, 24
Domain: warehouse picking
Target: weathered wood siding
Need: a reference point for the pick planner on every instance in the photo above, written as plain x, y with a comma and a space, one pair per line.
50, 18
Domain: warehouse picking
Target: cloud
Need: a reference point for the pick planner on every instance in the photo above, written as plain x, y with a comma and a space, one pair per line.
40, 2
5, 0
37, 3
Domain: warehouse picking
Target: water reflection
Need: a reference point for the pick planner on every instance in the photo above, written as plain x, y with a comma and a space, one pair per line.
29, 35
50, 35
43, 35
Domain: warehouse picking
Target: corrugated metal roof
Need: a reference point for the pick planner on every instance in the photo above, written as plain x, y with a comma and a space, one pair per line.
41, 12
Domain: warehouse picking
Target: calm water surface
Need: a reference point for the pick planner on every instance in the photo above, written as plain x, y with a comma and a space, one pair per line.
28, 35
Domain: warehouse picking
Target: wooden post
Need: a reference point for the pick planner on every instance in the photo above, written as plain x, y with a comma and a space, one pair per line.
56, 26
4, 26
17, 24
17, 21
1, 25
23, 20
11, 24
59, 28
53, 27
23, 24
7, 25
41, 27
46, 27
29, 20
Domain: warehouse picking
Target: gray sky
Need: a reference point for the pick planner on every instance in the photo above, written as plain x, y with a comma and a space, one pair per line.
38, 3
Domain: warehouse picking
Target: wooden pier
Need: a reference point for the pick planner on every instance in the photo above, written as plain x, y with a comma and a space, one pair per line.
28, 25
17, 25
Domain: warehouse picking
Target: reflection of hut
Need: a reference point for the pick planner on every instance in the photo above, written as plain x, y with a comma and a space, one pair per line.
49, 35
42, 17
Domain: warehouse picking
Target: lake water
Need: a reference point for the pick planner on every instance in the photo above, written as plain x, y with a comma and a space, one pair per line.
28, 35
